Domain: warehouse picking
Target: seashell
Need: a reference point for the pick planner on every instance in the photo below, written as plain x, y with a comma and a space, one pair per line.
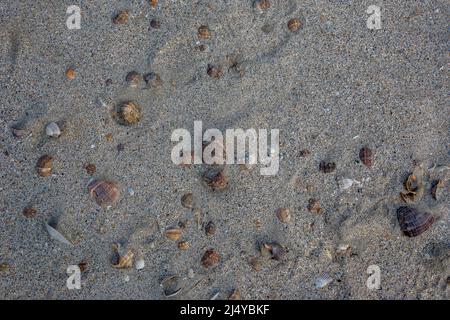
153, 3
155, 24
323, 281
413, 222
327, 167
284, 215
70, 73
44, 166
343, 250
366, 156
294, 24
173, 233
235, 295
29, 212
203, 32
314, 206
125, 261
214, 71
140, 264
4, 266
210, 228
83, 266
133, 79
129, 113
52, 130
122, 17
105, 193
215, 296
153, 79
184, 245
54, 234
171, 286
187, 201
210, 258
414, 186
262, 4
90, 168
346, 183
273, 250
437, 189
215, 179
255, 263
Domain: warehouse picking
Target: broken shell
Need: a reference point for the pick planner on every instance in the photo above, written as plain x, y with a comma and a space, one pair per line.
122, 17
294, 24
273, 250
173, 233
413, 222
327, 167
366, 156
187, 201
414, 186
70, 73
129, 113
255, 262
153, 79
346, 183
284, 215
314, 206
133, 79
105, 193
153, 3
83, 266
343, 250
235, 295
90, 169
210, 258
140, 264
155, 24
210, 228
29, 212
203, 32
215, 179
323, 281
262, 4
437, 188
214, 71
171, 286
184, 245
44, 166
125, 261
56, 235
52, 130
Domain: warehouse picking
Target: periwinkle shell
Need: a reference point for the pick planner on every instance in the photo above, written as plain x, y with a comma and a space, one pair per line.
105, 193
413, 222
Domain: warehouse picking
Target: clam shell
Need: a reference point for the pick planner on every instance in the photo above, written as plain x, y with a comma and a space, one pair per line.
125, 261
210, 258
323, 281
105, 193
44, 166
413, 222
52, 130
129, 113
284, 215
173, 233
366, 156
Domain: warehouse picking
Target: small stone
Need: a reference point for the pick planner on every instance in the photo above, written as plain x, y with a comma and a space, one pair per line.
203, 32
284, 215
140, 264
314, 206
187, 201
294, 24
210, 258
235, 295
90, 169
262, 4
29, 212
155, 24
184, 245
122, 17
133, 79
214, 71
210, 228
130, 191
153, 79
70, 73
52, 130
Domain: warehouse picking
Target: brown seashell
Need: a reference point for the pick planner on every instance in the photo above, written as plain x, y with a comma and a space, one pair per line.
90, 169
29, 212
129, 113
262, 4
173, 233
314, 206
210, 258
4, 266
125, 261
155, 24
153, 3
413, 222
366, 156
133, 79
216, 179
284, 215
235, 295
210, 228
122, 17
255, 263
83, 266
153, 79
414, 186
436, 190
327, 167
273, 250
105, 193
184, 245
44, 166
214, 71
70, 73
294, 24
187, 201
203, 32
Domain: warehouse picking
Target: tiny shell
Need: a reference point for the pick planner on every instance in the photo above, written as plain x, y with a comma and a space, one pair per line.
125, 261
105, 193
153, 3
314, 206
346, 183
155, 24
214, 71
70, 73
294, 24
54, 234
133, 79
29, 212
203, 32
235, 295
262, 4
255, 262
184, 245
284, 215
171, 286
414, 186
187, 201
210, 228
173, 233
153, 79
366, 156
129, 113
215, 179
327, 167
122, 17
273, 250
323, 281
413, 222
90, 168
210, 258
436, 190
44, 166
52, 130
140, 264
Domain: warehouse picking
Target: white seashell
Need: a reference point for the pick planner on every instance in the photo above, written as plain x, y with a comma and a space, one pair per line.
54, 234
323, 281
346, 183
140, 264
53, 130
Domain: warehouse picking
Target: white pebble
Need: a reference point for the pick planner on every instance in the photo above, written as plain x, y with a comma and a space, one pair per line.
140, 264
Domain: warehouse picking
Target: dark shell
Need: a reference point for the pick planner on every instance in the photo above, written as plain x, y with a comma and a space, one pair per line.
214, 71
262, 4
366, 156
210, 228
210, 258
327, 167
203, 32
294, 24
122, 17
155, 24
44, 166
133, 79
413, 222
215, 179
153, 79
129, 113
105, 193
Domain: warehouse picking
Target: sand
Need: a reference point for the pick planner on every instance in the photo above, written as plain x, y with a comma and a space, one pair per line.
332, 87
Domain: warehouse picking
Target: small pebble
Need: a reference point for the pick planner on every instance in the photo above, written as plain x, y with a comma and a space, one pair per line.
140, 264
130, 191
